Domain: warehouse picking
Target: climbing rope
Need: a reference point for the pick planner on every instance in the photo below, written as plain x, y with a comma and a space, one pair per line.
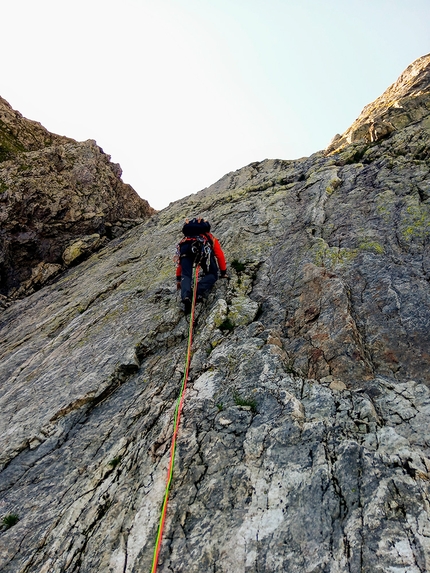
176, 420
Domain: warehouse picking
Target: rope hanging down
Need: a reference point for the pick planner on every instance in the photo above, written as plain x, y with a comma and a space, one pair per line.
176, 420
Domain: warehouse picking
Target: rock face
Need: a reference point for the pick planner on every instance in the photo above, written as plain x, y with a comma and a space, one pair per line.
304, 444
60, 200
402, 104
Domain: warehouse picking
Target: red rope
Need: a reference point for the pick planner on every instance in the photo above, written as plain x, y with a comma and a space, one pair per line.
177, 417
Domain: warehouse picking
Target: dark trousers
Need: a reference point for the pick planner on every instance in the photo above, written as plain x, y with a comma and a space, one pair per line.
205, 282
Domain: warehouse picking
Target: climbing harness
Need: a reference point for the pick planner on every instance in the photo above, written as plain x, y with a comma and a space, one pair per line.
176, 420
198, 248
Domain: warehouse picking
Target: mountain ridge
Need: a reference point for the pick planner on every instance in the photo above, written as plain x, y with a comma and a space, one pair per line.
60, 201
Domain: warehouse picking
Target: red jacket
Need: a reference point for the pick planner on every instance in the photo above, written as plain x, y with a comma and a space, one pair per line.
218, 252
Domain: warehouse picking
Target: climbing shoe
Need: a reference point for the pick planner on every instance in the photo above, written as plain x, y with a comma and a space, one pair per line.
187, 305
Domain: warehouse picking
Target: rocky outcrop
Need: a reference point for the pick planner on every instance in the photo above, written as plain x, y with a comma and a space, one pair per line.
60, 200
402, 104
304, 443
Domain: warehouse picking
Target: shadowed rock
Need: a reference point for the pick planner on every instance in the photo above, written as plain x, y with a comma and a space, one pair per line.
54, 193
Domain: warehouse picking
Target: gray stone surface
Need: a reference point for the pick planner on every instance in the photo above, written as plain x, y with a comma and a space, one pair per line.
304, 444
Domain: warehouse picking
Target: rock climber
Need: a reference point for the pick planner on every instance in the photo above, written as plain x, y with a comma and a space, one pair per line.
201, 247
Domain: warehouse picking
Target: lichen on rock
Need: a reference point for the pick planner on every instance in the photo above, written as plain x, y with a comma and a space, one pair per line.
304, 441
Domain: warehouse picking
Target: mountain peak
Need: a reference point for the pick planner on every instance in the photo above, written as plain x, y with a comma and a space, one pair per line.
60, 201
403, 103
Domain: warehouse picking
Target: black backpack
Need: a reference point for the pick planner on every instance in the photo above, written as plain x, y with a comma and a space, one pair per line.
196, 227
196, 245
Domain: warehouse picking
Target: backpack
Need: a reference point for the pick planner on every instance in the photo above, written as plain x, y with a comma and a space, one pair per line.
195, 245
196, 227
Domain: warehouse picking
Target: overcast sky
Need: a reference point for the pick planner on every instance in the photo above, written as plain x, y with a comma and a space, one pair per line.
180, 92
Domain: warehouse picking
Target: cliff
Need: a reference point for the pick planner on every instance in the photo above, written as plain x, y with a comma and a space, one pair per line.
304, 443
60, 200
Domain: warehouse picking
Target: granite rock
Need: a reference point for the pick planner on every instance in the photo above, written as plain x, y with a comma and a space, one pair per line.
304, 442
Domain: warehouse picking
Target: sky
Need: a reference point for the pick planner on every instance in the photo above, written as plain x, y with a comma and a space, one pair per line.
181, 92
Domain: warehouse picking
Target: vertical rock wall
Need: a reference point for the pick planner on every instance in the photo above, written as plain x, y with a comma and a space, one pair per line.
304, 443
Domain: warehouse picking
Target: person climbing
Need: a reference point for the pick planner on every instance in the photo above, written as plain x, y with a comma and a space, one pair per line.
200, 247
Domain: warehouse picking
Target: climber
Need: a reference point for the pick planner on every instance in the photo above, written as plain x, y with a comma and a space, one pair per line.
200, 247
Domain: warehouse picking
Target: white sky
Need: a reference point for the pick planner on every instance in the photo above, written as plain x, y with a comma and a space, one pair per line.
180, 92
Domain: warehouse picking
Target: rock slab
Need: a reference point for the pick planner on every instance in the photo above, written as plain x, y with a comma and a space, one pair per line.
304, 444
